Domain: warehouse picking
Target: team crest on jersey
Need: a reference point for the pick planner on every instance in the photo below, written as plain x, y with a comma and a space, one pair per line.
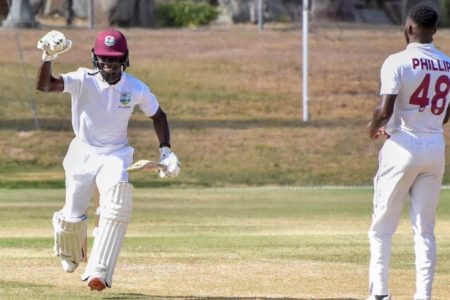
125, 99
109, 40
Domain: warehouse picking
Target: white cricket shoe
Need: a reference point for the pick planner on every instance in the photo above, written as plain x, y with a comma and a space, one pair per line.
68, 265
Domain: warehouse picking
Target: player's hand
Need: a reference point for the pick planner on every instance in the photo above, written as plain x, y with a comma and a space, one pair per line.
52, 44
379, 132
170, 160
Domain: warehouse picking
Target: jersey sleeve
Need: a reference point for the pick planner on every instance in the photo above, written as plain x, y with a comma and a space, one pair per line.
148, 102
72, 81
390, 76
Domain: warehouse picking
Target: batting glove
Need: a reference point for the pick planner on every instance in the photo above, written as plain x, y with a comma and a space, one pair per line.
52, 44
170, 160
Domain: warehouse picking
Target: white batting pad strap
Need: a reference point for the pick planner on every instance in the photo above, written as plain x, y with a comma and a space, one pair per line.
115, 215
70, 235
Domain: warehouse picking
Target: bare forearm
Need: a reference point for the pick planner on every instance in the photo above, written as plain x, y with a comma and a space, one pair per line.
378, 121
46, 82
161, 128
44, 76
447, 115
381, 114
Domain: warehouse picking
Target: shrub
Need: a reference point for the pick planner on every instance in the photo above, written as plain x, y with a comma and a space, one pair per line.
185, 14
444, 14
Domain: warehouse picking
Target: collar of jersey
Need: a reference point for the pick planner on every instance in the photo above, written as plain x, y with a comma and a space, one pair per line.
419, 45
104, 85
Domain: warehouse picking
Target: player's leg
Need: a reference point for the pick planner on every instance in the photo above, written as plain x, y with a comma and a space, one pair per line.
424, 200
70, 222
80, 167
69, 235
96, 204
115, 213
388, 206
391, 186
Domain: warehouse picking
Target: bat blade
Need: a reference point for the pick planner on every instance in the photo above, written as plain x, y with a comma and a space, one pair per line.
146, 165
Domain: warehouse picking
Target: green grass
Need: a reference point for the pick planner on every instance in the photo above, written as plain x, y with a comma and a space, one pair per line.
207, 243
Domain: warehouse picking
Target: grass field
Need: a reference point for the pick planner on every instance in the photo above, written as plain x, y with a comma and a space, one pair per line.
221, 230
219, 243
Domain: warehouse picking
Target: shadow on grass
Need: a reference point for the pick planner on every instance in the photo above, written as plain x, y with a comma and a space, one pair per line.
124, 296
64, 124
18, 284
141, 296
60, 184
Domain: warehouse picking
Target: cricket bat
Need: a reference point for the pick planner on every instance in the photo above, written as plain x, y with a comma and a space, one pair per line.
147, 165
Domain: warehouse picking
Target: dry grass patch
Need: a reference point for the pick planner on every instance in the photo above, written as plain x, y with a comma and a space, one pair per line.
233, 98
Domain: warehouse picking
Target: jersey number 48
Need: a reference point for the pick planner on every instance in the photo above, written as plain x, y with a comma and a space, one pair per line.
441, 89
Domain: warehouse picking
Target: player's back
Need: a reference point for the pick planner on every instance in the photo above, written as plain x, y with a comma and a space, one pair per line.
419, 75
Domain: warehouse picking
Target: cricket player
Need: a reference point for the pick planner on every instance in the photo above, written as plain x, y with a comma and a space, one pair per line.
415, 87
103, 99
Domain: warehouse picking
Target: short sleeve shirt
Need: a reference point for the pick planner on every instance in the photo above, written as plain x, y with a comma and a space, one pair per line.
100, 112
419, 76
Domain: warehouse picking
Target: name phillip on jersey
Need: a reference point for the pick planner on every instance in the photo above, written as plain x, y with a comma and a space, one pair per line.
431, 64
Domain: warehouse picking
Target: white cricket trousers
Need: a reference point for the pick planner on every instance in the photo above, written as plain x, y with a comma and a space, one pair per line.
409, 165
85, 167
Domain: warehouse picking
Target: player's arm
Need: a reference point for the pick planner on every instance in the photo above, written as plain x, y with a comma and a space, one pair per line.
46, 82
167, 157
447, 115
161, 127
52, 44
381, 115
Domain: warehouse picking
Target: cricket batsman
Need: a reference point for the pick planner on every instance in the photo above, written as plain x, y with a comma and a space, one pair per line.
102, 101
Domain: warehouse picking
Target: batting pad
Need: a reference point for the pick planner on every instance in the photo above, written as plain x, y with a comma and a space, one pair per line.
69, 237
115, 215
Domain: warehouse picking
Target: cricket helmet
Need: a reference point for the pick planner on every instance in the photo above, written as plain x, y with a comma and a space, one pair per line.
111, 43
